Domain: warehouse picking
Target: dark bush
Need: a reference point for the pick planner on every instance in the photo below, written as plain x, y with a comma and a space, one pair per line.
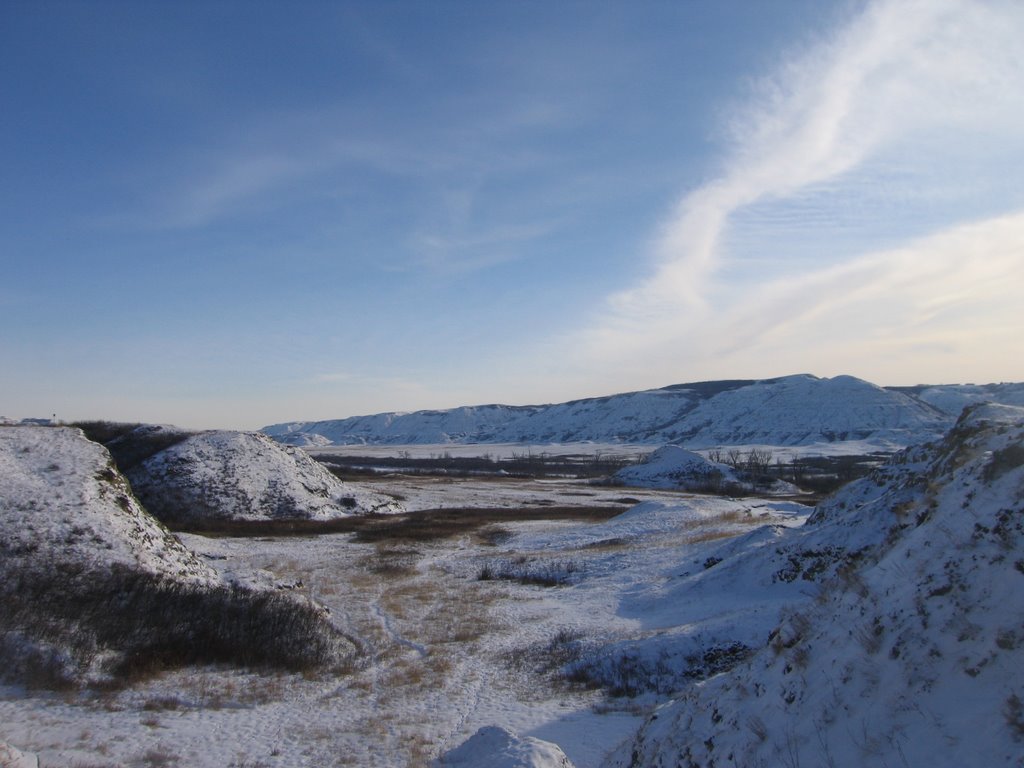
1004, 460
135, 623
131, 444
546, 573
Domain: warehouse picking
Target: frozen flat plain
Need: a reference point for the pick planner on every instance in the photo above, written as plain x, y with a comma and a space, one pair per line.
443, 652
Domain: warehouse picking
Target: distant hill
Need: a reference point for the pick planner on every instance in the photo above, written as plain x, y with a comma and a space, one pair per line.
792, 410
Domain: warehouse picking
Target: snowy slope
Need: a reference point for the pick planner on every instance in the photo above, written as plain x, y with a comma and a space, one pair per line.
793, 410
64, 502
68, 523
95, 591
465, 424
911, 651
952, 399
244, 476
798, 410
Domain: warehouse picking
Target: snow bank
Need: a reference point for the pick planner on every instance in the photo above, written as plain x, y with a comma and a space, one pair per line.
494, 747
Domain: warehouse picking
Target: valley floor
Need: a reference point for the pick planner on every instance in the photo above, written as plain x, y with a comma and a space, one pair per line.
443, 652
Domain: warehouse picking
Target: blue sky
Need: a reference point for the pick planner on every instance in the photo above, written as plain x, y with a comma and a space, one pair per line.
232, 214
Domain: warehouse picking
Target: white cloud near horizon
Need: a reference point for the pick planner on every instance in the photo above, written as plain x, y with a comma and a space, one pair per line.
902, 83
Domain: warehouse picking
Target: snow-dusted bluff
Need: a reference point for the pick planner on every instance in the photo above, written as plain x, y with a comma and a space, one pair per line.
911, 651
793, 410
213, 476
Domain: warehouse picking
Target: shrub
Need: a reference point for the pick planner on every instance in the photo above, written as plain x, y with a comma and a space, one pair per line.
632, 671
132, 444
548, 573
108, 627
1004, 460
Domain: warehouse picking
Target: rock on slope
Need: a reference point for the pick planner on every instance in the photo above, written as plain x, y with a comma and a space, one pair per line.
793, 410
913, 654
95, 589
239, 476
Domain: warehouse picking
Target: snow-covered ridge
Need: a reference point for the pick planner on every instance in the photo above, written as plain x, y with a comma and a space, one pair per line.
793, 410
226, 475
910, 649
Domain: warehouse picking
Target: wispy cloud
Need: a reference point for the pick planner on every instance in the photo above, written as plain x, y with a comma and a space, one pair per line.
232, 184
463, 251
903, 82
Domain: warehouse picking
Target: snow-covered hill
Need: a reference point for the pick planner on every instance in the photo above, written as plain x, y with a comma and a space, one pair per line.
65, 502
793, 410
953, 399
95, 590
673, 467
907, 647
239, 476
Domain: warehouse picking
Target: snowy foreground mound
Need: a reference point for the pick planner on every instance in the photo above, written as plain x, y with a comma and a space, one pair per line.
908, 649
494, 747
791, 410
95, 590
215, 476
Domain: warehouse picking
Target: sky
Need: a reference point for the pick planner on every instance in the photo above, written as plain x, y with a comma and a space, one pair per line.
232, 214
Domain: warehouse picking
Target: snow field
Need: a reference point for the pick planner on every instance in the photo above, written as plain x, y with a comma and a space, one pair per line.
442, 653
883, 629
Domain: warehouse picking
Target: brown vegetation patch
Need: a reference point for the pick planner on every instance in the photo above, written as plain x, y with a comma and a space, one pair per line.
428, 525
